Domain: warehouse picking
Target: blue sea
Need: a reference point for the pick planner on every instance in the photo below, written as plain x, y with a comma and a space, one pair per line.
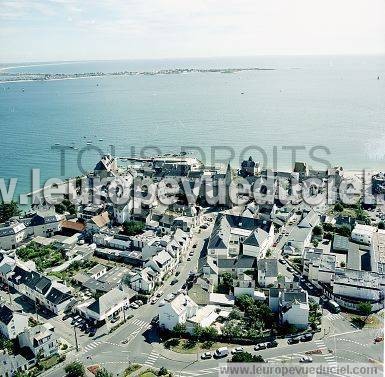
305, 101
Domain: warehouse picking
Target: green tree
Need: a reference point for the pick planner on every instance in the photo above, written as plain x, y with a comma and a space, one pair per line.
132, 228
235, 314
317, 231
163, 371
344, 231
338, 207
103, 372
244, 301
209, 333
179, 329
381, 225
226, 282
247, 357
8, 210
75, 369
365, 309
197, 331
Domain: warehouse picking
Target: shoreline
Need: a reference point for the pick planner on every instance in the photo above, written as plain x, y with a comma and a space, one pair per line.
28, 77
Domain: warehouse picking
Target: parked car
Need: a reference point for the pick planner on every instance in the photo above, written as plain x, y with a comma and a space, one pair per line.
306, 337
293, 340
194, 246
236, 350
188, 259
114, 319
139, 302
92, 332
203, 226
174, 281
272, 344
162, 303
206, 355
290, 269
177, 273
221, 352
306, 359
282, 261
154, 300
134, 305
75, 319
66, 316
191, 253
260, 346
170, 297
160, 293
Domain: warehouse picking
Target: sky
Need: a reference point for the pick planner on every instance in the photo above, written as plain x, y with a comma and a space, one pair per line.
57, 30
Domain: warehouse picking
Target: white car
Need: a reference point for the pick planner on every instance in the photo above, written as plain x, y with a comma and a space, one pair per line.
134, 306
306, 359
236, 350
162, 303
160, 293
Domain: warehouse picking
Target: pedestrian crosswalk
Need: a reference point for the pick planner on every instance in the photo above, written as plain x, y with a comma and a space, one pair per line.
152, 358
331, 360
197, 373
141, 323
321, 345
91, 346
284, 358
334, 317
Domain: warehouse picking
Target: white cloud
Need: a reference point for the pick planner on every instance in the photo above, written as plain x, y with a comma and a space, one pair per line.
170, 28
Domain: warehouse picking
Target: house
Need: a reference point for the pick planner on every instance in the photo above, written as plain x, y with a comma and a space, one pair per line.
233, 235
162, 263
38, 341
106, 306
102, 281
11, 364
294, 308
309, 220
12, 321
143, 280
267, 271
54, 296
177, 311
363, 233
12, 234
236, 266
7, 264
106, 167
244, 285
44, 223
298, 239
319, 267
98, 223
122, 212
210, 270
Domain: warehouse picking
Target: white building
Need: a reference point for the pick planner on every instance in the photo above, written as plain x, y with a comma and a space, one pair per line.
177, 311
11, 235
143, 280
363, 233
232, 234
12, 321
360, 285
40, 340
294, 308
106, 306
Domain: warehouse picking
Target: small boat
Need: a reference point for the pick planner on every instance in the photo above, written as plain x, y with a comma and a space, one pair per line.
89, 142
57, 143
100, 139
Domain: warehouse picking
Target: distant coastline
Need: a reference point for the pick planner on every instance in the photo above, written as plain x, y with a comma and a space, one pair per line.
25, 76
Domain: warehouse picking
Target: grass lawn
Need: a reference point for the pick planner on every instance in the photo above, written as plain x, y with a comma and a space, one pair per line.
372, 322
148, 374
50, 362
131, 369
186, 346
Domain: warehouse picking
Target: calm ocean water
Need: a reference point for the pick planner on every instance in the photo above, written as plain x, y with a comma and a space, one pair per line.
336, 102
